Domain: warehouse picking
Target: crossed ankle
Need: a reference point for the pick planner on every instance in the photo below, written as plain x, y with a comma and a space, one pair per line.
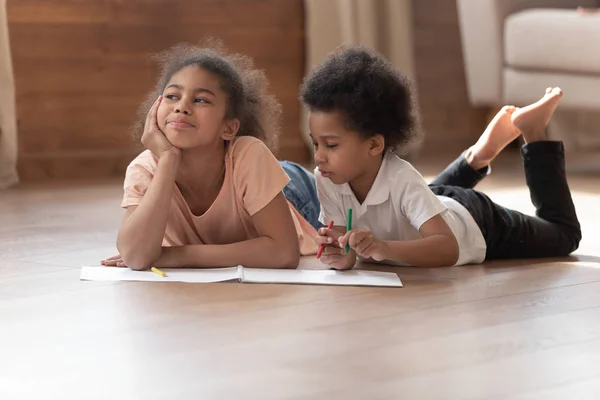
475, 162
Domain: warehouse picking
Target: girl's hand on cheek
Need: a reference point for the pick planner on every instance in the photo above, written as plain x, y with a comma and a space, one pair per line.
153, 138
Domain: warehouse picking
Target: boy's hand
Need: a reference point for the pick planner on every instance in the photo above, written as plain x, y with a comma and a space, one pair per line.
333, 255
364, 244
153, 138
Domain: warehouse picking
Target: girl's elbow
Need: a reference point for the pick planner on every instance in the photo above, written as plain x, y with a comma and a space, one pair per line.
288, 251
137, 256
138, 267
132, 260
289, 257
291, 260
136, 263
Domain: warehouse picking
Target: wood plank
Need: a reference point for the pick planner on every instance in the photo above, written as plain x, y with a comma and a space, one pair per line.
116, 43
82, 68
139, 12
449, 122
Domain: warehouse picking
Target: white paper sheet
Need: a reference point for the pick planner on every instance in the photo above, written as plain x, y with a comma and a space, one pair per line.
173, 275
321, 277
249, 275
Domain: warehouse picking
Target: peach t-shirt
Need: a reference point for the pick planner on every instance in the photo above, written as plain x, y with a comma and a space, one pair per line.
253, 177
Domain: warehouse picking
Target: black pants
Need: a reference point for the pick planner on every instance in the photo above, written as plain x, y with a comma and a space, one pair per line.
554, 231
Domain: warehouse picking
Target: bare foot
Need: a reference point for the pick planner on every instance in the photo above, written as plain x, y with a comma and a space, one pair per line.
498, 134
533, 119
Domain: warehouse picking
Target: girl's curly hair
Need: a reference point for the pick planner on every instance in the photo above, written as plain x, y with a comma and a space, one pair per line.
249, 100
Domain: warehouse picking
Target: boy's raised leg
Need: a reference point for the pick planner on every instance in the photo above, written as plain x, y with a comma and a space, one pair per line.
544, 163
472, 166
555, 231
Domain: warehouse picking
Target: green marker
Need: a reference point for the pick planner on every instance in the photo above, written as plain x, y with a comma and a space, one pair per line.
348, 228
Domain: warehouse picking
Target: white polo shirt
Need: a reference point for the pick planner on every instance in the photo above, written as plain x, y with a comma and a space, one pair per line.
398, 203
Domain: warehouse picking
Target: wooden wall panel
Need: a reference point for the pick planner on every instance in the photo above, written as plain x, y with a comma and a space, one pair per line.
82, 68
449, 121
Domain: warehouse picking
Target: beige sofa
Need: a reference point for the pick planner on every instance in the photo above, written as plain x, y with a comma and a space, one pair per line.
514, 49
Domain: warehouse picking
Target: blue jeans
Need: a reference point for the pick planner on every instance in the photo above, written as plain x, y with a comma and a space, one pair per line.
301, 191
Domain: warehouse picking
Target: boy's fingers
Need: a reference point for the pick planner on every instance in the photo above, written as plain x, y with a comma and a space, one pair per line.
331, 259
349, 238
365, 248
361, 246
357, 238
353, 239
319, 240
329, 250
344, 238
327, 258
329, 232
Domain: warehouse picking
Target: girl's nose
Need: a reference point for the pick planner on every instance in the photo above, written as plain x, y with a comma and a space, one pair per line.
181, 110
182, 106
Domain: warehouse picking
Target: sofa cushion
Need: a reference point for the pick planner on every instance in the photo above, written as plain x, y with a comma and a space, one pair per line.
553, 40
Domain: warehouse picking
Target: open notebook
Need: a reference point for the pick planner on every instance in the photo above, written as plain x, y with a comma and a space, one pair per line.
247, 275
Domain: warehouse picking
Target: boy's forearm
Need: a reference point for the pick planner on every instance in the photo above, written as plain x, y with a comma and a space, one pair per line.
262, 252
140, 238
432, 251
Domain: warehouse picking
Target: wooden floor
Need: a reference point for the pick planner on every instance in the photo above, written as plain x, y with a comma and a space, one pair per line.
504, 330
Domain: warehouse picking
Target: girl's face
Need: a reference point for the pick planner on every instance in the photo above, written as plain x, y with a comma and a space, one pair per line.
192, 111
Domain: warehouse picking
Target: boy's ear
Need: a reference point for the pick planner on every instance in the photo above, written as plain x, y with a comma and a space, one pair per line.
376, 145
230, 129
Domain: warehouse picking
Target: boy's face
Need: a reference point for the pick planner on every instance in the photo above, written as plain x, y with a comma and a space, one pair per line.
192, 111
341, 155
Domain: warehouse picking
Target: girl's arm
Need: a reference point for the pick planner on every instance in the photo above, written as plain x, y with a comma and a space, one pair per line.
276, 247
140, 238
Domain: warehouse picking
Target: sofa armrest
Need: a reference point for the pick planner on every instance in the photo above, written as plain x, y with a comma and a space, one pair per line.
481, 25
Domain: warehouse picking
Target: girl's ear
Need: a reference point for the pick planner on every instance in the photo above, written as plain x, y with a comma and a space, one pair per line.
230, 129
376, 145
